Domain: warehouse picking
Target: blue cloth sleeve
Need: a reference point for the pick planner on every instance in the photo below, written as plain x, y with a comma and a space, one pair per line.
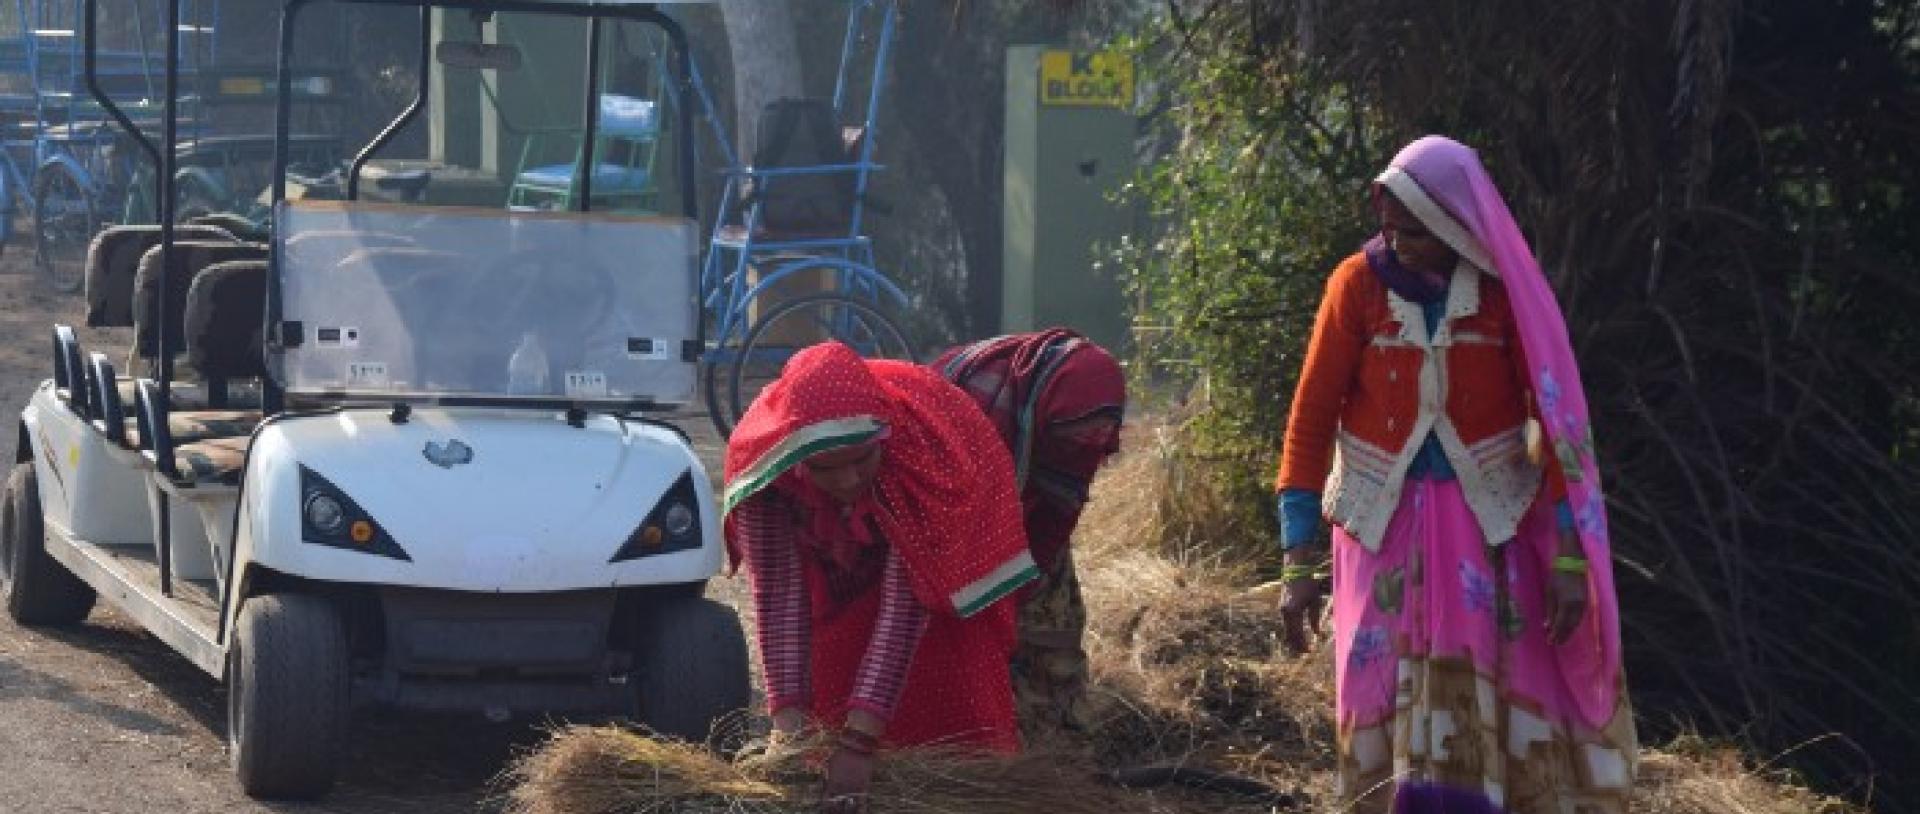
1563, 514
1299, 518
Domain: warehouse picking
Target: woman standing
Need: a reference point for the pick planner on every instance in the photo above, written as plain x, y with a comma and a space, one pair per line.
1057, 400
875, 510
1476, 637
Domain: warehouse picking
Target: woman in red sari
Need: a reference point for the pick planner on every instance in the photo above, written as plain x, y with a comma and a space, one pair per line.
875, 510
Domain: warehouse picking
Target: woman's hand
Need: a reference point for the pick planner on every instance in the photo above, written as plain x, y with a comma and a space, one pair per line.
1566, 592
849, 776
1301, 599
850, 767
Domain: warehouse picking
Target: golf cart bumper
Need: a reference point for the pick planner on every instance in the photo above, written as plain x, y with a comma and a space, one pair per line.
455, 651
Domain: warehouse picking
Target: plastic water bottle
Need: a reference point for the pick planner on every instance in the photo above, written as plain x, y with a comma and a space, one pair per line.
527, 368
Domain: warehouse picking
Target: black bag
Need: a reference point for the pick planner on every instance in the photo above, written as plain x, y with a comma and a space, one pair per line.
803, 133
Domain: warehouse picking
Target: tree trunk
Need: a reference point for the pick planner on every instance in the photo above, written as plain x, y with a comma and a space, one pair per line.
765, 50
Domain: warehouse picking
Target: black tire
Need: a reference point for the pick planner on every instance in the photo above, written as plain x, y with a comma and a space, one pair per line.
732, 387
64, 221
713, 377
692, 669
39, 590
287, 696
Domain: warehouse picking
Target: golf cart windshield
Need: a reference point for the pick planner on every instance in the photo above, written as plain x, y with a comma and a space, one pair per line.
403, 303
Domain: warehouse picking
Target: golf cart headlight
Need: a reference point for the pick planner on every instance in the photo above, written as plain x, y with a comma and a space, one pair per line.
324, 514
330, 517
678, 520
673, 525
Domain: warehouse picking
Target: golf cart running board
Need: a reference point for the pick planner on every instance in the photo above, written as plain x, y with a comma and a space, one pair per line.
127, 577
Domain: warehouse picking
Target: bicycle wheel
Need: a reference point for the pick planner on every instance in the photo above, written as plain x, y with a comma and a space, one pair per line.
63, 225
786, 330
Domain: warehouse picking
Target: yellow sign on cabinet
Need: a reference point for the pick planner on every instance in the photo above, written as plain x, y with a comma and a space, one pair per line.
1086, 79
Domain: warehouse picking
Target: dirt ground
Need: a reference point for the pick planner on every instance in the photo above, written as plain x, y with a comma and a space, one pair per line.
105, 719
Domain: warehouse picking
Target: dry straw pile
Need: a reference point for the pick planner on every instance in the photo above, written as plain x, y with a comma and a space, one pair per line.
1187, 672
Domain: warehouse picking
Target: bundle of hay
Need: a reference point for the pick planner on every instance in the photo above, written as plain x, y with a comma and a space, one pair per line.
609, 770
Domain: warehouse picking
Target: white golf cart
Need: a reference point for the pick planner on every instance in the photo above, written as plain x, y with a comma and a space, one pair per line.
414, 466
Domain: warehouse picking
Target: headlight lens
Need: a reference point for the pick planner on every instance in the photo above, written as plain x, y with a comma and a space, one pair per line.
678, 520
324, 513
330, 517
673, 524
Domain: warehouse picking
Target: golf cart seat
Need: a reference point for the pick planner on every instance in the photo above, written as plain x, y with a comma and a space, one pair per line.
190, 258
194, 426
216, 461
607, 178
224, 312
224, 323
234, 291
75, 386
242, 227
408, 184
112, 417
113, 261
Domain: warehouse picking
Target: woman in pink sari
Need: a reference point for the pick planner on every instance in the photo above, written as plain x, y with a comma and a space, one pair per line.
1441, 425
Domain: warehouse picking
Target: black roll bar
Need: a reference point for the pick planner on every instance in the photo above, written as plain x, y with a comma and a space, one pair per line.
165, 160
392, 129
587, 169
90, 27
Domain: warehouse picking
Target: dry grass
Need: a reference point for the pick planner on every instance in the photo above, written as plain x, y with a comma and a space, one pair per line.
606, 770
1187, 670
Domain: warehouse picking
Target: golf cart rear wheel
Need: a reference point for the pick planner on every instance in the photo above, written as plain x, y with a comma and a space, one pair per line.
692, 676
287, 701
63, 226
39, 590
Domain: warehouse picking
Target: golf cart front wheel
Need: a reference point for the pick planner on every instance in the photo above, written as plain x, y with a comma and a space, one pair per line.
287, 696
692, 675
39, 590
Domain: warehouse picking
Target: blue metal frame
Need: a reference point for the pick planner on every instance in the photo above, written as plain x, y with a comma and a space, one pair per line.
726, 294
59, 122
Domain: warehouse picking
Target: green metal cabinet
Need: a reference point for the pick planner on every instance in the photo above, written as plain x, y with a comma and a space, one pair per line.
1069, 148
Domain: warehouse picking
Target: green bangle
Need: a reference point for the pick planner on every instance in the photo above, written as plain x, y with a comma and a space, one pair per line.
1570, 565
1291, 573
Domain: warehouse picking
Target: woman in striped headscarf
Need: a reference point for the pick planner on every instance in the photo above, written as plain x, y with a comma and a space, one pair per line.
1057, 400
